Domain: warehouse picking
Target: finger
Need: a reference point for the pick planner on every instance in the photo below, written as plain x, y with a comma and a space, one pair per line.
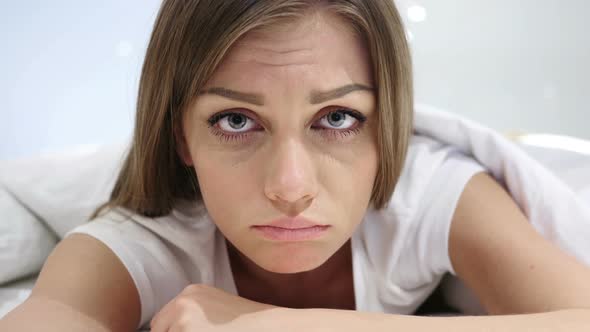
183, 324
159, 318
161, 321
159, 325
172, 314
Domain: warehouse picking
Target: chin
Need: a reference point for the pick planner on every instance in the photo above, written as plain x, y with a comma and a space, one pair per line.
292, 261
290, 269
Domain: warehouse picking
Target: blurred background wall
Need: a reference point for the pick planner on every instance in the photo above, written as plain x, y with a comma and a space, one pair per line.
69, 69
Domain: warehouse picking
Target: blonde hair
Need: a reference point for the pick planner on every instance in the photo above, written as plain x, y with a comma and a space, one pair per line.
189, 40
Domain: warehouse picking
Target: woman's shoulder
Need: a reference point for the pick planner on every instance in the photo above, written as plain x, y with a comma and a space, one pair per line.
176, 240
185, 216
175, 244
410, 236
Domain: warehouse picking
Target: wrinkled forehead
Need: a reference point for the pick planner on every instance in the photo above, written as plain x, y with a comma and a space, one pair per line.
313, 47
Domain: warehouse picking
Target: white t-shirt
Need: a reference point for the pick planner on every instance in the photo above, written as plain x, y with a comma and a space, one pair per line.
399, 253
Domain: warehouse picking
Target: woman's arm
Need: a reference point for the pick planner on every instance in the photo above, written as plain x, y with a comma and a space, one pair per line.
324, 320
510, 267
82, 287
40, 314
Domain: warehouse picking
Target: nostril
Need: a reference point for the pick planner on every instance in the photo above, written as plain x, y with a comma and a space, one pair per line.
292, 208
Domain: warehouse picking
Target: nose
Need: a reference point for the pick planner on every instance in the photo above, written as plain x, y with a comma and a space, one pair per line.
290, 183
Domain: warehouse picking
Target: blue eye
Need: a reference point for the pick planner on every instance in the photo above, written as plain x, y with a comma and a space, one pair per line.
341, 119
236, 126
236, 123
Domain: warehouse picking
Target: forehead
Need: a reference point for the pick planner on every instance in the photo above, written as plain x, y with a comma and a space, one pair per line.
318, 44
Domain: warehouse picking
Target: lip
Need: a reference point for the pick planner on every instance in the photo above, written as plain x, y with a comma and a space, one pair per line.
290, 235
292, 223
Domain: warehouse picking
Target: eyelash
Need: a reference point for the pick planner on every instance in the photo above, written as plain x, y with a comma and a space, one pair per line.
234, 138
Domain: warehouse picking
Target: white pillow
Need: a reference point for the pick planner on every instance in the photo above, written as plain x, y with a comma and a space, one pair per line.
44, 197
63, 189
25, 242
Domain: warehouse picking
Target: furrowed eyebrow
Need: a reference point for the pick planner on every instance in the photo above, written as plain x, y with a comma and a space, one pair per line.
316, 97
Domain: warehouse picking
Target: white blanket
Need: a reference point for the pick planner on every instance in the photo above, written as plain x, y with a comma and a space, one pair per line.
553, 208
59, 192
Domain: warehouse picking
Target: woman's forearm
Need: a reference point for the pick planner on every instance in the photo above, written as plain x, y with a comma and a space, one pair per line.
347, 320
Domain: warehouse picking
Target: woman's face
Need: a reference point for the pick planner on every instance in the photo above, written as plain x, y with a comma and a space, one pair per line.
290, 150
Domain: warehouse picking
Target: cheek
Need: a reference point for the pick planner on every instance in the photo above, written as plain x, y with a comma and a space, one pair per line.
358, 159
223, 184
348, 175
365, 170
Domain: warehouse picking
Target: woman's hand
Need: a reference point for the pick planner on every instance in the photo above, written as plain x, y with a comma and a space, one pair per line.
203, 308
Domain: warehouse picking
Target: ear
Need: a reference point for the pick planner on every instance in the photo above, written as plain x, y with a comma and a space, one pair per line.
181, 146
